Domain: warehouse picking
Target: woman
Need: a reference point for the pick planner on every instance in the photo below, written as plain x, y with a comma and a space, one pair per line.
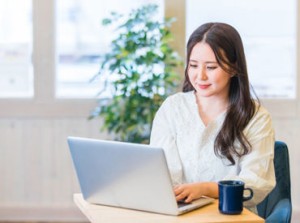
214, 130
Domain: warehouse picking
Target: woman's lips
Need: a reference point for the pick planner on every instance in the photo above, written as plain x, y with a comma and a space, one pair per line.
203, 86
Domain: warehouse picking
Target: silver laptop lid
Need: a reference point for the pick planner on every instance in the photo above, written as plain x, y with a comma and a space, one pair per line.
125, 175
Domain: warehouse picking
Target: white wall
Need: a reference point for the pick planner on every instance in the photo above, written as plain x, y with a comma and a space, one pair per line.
37, 175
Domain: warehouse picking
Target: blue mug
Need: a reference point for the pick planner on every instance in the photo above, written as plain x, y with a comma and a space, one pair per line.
231, 196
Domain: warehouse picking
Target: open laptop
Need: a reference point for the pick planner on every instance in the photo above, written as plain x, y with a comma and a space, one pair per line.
126, 175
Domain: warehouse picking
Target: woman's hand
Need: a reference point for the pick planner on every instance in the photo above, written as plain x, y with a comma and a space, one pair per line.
192, 191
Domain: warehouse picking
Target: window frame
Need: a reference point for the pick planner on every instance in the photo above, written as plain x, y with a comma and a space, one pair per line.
44, 103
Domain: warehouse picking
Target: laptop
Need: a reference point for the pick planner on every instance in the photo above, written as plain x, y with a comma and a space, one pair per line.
126, 175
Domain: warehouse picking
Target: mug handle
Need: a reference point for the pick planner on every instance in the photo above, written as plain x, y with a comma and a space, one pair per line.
250, 196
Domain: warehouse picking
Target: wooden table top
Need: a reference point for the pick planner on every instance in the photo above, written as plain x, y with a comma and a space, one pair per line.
207, 214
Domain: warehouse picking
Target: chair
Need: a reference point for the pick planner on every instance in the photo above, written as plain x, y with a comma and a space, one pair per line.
277, 206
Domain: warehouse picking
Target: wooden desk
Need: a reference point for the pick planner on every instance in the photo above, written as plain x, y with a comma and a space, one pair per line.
209, 213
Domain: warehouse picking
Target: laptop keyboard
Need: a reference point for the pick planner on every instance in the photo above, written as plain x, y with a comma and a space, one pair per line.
181, 203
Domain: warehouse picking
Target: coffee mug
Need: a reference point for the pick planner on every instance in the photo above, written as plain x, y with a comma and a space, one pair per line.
231, 196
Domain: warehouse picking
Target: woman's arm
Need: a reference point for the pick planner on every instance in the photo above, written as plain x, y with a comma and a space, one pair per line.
163, 136
257, 167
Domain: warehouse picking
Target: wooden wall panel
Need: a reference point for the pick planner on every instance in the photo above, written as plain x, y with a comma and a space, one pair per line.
35, 165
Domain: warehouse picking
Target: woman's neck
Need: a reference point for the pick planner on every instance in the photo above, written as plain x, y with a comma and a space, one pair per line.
210, 108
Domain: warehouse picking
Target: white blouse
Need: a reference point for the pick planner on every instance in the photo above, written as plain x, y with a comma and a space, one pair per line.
189, 147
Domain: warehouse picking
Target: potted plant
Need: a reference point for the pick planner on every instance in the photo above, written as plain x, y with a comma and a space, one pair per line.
139, 70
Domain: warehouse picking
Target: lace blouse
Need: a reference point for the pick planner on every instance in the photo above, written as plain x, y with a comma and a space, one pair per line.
189, 147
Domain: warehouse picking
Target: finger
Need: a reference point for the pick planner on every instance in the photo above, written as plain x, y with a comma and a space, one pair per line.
178, 190
181, 196
189, 199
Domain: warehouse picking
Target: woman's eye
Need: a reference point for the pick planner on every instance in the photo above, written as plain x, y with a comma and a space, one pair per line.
193, 65
211, 67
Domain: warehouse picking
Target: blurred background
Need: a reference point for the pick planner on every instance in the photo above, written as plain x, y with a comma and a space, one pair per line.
49, 50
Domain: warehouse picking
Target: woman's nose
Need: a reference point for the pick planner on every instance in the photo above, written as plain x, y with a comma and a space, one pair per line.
201, 74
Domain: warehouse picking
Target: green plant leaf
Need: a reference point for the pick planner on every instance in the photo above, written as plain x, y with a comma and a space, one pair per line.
142, 73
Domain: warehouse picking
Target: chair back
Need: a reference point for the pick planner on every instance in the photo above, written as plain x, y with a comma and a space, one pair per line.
282, 189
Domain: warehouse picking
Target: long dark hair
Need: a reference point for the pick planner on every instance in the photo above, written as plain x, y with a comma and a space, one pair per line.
228, 48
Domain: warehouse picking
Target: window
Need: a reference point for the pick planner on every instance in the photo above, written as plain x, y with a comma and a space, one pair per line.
269, 39
16, 72
81, 39
62, 69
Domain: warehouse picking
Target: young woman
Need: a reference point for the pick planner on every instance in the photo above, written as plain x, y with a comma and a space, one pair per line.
214, 129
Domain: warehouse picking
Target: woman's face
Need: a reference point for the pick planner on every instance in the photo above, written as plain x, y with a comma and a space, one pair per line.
205, 74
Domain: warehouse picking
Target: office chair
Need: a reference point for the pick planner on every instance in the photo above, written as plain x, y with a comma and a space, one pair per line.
277, 206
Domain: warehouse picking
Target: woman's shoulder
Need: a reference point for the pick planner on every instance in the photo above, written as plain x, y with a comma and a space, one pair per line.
180, 97
261, 111
175, 105
261, 118
260, 126
178, 102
